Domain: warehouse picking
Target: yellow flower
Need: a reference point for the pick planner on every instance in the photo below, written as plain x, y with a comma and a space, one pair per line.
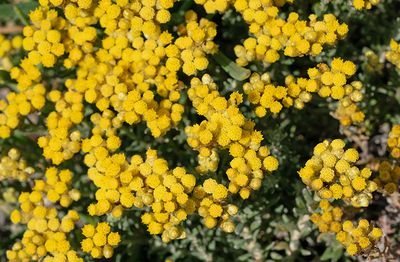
113, 238
87, 245
15, 216
270, 163
352, 249
99, 239
358, 183
215, 210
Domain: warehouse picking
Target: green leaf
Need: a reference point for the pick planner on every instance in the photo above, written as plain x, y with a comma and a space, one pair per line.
305, 252
23, 16
13, 11
255, 225
4, 76
244, 257
282, 245
276, 256
332, 253
237, 72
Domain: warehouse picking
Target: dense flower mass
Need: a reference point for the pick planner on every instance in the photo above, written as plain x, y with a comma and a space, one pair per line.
393, 55
292, 36
329, 219
47, 226
333, 174
365, 4
393, 141
250, 159
99, 78
13, 167
388, 177
360, 238
99, 241
8, 48
327, 82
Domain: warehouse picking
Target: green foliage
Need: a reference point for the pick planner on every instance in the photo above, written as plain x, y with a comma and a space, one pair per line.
16, 11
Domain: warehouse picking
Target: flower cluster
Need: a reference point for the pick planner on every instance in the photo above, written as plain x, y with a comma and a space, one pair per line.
55, 189
362, 238
394, 141
226, 127
388, 177
359, 239
271, 34
10, 195
195, 42
208, 162
125, 70
140, 183
51, 36
347, 111
60, 144
13, 167
19, 104
334, 78
150, 54
393, 55
268, 97
324, 80
168, 193
365, 4
99, 241
146, 13
46, 236
43, 39
213, 6
31, 92
8, 47
330, 218
220, 6
171, 194
212, 207
373, 65
106, 169
331, 172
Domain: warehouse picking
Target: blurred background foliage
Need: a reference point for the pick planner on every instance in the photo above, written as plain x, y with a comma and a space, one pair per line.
273, 225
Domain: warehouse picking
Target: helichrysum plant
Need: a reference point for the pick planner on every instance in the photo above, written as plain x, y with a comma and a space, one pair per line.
198, 130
